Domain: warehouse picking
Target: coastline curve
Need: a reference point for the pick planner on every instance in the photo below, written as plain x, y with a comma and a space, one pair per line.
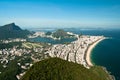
89, 51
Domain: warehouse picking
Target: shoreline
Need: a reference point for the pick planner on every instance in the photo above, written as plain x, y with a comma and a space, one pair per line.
89, 51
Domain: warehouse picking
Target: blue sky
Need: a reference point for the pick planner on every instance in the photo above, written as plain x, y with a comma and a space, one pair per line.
61, 13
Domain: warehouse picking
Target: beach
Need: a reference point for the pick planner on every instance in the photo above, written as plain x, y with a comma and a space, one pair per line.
89, 50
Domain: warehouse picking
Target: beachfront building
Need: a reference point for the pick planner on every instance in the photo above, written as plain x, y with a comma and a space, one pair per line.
75, 51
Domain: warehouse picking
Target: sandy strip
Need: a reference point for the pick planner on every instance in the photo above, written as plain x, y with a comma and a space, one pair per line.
88, 53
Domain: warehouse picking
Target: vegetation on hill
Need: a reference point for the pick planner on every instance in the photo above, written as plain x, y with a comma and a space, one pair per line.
9, 45
60, 34
12, 31
13, 69
48, 33
58, 69
10, 72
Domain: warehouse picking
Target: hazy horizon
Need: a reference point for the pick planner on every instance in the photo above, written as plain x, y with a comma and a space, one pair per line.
61, 13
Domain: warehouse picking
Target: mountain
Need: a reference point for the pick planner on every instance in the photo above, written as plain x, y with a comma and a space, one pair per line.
12, 31
11, 27
58, 69
60, 34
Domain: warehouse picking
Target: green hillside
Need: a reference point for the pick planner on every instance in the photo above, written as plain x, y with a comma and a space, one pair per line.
58, 69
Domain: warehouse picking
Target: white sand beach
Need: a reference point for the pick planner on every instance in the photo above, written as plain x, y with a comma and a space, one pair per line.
88, 53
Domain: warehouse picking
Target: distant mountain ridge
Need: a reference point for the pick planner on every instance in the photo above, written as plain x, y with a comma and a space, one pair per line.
12, 31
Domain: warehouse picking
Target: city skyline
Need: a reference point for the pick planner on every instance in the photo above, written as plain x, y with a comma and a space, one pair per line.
61, 13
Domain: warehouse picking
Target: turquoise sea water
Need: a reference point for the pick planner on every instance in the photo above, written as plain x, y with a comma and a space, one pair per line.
107, 52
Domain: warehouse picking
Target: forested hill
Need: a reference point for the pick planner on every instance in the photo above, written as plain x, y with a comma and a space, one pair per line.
12, 31
58, 69
60, 33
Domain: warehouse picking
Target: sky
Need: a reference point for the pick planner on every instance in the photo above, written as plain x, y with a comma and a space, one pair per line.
61, 13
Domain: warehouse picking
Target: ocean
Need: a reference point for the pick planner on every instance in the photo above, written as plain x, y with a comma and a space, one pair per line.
107, 52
